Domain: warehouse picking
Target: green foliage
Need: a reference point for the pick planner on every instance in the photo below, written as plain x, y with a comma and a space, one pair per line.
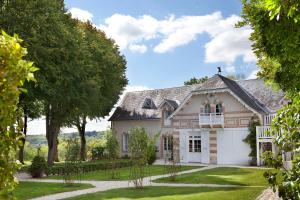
38, 166
151, 152
72, 161
276, 37
98, 152
195, 80
14, 71
112, 145
287, 126
141, 148
58, 168
251, 138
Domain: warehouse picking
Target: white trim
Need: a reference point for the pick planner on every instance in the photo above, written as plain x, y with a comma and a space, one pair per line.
163, 102
214, 91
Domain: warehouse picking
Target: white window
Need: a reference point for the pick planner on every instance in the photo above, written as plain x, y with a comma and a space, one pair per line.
125, 141
195, 144
168, 143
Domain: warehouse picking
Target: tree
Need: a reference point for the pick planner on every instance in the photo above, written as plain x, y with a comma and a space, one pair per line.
276, 34
195, 80
14, 70
104, 81
54, 44
275, 37
140, 148
112, 146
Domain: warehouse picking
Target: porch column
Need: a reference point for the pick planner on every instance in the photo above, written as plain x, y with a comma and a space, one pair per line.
257, 149
213, 147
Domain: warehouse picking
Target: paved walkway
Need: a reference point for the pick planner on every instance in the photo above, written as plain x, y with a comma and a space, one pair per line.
107, 185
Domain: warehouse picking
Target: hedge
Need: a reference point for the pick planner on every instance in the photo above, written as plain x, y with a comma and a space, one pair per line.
58, 169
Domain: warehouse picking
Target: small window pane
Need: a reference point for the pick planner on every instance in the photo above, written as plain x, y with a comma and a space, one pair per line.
190, 145
197, 145
207, 108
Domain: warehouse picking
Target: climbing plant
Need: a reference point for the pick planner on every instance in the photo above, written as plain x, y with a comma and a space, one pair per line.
251, 138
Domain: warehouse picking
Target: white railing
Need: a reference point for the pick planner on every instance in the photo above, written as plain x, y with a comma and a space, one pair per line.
262, 132
268, 119
211, 119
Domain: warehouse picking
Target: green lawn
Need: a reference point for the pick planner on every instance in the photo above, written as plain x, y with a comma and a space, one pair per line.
123, 173
223, 175
174, 193
28, 190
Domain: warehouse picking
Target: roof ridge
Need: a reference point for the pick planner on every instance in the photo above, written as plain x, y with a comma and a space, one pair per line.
194, 85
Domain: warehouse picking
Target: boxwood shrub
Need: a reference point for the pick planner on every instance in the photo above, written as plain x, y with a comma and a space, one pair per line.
58, 169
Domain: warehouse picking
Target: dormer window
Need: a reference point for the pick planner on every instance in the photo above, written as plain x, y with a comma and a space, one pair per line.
149, 104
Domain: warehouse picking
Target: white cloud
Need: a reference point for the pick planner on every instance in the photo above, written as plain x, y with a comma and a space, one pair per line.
126, 30
230, 69
138, 48
226, 43
80, 14
229, 45
37, 126
253, 74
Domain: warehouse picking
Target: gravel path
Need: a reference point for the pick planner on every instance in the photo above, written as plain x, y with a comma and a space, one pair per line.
268, 194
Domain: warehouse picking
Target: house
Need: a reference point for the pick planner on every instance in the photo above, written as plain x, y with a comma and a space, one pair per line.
208, 122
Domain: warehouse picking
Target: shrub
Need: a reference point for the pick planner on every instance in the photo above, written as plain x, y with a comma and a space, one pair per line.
142, 148
59, 169
151, 154
98, 152
72, 161
38, 166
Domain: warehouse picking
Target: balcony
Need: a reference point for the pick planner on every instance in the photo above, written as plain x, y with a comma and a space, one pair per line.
211, 119
262, 132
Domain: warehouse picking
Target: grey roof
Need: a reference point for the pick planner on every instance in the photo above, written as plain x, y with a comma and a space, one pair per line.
253, 92
265, 94
132, 103
173, 103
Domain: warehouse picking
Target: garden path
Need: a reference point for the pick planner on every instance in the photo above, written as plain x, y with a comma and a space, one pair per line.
107, 185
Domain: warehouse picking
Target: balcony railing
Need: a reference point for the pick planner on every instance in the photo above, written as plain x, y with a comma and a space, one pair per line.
262, 132
268, 119
211, 119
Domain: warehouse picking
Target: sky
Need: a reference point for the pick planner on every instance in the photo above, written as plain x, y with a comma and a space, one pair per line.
166, 42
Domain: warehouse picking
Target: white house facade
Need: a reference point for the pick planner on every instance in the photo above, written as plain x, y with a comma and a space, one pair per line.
208, 122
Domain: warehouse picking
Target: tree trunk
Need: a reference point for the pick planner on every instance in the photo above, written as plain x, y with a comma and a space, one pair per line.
52, 130
21, 148
81, 130
56, 159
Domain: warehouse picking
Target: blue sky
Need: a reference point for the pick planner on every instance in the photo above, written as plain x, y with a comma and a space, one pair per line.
167, 42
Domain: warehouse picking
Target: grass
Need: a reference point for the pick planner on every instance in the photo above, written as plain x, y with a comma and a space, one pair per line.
223, 175
123, 173
173, 193
28, 190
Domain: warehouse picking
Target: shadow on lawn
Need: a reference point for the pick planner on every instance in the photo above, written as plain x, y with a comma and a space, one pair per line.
220, 175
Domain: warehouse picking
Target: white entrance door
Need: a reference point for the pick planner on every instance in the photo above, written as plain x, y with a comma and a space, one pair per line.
194, 147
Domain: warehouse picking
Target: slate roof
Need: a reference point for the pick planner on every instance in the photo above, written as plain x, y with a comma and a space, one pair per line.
132, 103
253, 92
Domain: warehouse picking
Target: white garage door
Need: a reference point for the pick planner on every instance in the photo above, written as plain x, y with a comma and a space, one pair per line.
231, 147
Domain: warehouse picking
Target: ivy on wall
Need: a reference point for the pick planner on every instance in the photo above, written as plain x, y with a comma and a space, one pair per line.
251, 138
